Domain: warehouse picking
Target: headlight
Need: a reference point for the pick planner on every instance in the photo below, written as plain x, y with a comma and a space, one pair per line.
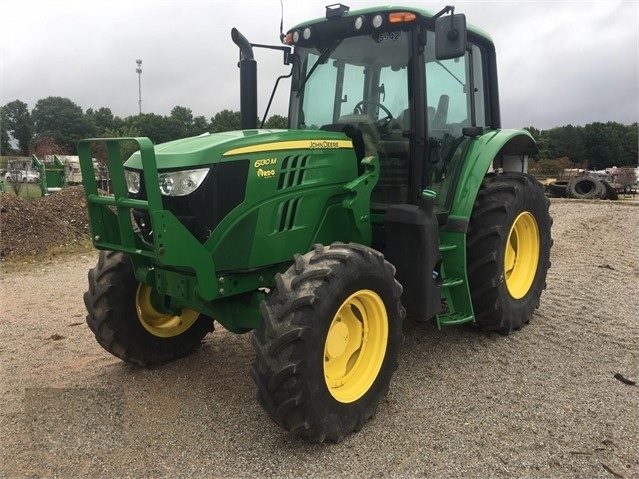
132, 181
181, 183
173, 183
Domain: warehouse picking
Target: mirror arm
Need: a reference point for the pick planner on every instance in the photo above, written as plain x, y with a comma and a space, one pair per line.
446, 9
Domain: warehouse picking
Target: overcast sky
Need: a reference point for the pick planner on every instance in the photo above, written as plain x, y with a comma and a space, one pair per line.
560, 62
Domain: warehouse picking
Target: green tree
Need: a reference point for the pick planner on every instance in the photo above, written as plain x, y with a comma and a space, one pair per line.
62, 120
276, 122
604, 144
5, 145
101, 120
200, 125
158, 128
182, 120
629, 155
184, 124
126, 148
595, 146
20, 124
568, 141
226, 120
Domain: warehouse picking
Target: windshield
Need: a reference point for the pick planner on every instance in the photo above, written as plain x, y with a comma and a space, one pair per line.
362, 75
360, 86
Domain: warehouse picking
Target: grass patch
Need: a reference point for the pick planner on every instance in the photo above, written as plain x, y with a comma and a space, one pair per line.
18, 264
28, 191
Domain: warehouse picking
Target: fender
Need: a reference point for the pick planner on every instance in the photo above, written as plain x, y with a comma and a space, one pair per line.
480, 154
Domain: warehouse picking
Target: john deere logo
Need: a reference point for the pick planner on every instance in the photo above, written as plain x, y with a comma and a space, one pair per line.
317, 145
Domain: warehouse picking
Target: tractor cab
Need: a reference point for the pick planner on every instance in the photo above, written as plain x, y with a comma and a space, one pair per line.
405, 85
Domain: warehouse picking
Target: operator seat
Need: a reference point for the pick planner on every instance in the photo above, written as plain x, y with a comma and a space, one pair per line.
441, 115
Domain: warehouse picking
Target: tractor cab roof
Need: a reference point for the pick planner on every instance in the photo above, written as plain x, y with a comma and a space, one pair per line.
342, 22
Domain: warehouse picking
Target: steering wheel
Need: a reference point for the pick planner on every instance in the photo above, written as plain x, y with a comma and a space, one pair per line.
382, 122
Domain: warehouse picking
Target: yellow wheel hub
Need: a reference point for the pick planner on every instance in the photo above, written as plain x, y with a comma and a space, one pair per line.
522, 255
355, 346
161, 324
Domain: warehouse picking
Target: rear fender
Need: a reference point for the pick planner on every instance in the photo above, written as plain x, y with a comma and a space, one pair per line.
495, 149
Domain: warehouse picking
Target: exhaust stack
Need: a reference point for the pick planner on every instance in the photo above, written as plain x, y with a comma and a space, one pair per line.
248, 82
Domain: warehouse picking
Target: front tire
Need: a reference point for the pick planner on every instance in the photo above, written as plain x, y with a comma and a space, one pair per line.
125, 323
329, 341
508, 251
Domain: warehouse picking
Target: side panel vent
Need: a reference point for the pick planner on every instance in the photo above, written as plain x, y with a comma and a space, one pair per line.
292, 171
287, 213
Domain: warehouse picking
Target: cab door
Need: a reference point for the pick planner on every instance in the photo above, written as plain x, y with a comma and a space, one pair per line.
455, 100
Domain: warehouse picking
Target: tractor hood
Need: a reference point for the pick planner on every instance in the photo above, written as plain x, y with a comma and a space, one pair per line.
213, 148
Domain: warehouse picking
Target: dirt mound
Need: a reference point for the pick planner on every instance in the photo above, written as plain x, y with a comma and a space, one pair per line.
28, 227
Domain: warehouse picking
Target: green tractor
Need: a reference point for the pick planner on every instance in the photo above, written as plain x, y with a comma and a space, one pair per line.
394, 190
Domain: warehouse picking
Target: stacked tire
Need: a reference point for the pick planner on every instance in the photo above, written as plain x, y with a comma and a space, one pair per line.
583, 188
557, 189
611, 193
586, 188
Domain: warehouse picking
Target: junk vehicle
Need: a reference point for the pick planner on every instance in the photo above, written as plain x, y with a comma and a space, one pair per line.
394, 189
21, 171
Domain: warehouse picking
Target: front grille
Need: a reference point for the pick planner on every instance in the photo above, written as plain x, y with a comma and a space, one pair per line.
200, 212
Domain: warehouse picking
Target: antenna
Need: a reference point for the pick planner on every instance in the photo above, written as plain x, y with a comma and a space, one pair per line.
282, 36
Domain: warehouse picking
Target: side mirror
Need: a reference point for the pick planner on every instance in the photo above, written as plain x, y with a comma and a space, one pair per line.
450, 36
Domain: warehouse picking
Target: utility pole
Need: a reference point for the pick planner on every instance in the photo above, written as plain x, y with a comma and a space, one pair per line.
138, 70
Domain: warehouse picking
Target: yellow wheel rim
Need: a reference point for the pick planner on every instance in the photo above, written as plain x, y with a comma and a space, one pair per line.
522, 255
160, 324
355, 346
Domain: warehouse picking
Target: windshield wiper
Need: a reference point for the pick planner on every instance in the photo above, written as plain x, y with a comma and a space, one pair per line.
451, 73
320, 60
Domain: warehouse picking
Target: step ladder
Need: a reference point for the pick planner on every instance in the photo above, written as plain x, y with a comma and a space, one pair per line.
454, 281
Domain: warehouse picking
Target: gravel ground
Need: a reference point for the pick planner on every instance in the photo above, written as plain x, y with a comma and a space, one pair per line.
540, 403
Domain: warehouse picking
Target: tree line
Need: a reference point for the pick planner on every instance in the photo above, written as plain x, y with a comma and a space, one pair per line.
596, 146
56, 124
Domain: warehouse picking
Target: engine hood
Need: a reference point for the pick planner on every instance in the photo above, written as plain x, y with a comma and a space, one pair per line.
213, 148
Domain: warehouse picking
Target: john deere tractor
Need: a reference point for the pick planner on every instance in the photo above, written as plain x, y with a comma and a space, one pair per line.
393, 190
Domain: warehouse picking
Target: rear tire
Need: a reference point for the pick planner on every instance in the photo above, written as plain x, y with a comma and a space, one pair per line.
508, 251
124, 322
329, 341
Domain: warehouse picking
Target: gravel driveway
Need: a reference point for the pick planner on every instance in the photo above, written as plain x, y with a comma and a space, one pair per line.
543, 402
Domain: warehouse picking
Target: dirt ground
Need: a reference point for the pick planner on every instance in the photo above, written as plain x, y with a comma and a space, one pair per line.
543, 402
28, 227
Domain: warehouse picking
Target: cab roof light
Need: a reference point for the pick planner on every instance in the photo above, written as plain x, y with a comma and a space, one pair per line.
401, 17
288, 39
335, 10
